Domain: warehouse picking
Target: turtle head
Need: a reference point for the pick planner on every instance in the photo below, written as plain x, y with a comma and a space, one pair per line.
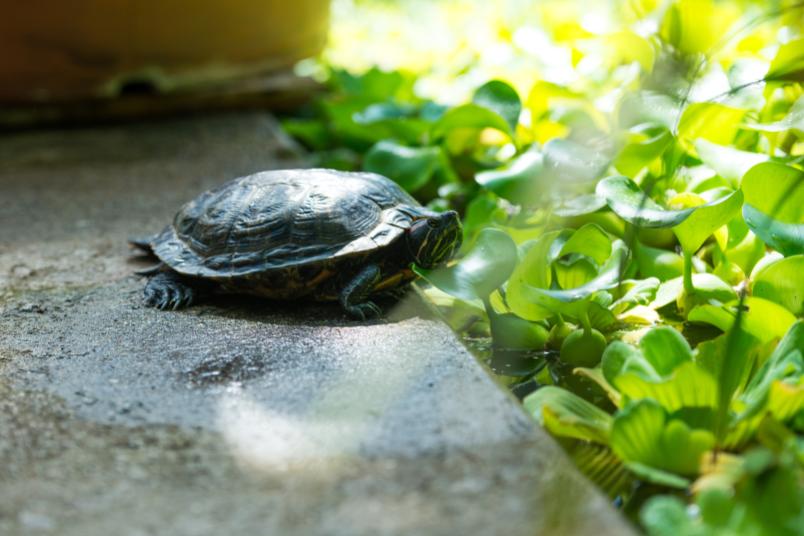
433, 239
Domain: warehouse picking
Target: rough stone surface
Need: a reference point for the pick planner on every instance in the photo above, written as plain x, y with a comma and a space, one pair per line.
239, 416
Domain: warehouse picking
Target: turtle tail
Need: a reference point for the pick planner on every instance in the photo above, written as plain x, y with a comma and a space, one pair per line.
142, 243
151, 271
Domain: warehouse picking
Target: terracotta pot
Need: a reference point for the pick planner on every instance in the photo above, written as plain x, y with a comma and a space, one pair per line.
57, 50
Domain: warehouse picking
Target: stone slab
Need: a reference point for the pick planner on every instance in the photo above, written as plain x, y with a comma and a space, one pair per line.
239, 416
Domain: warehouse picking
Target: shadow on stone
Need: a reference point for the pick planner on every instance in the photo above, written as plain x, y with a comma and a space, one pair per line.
239, 416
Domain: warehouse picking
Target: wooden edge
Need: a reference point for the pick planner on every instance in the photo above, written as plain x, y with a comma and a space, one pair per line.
275, 91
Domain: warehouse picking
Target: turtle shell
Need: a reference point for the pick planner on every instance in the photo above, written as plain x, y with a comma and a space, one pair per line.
280, 220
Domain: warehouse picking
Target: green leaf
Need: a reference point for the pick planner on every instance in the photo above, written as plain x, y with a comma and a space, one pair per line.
707, 287
565, 414
568, 161
717, 506
601, 466
312, 132
375, 84
511, 332
711, 121
696, 26
391, 120
519, 180
500, 98
579, 206
786, 399
666, 515
665, 349
534, 270
788, 65
410, 167
786, 362
483, 211
732, 356
596, 375
384, 111
589, 240
340, 117
660, 263
647, 108
729, 163
776, 189
471, 116
637, 292
484, 269
633, 205
706, 219
620, 357
600, 317
774, 206
782, 282
794, 120
787, 238
575, 272
761, 318
626, 46
657, 476
661, 370
642, 433
545, 95
533, 302
744, 248
637, 155
689, 386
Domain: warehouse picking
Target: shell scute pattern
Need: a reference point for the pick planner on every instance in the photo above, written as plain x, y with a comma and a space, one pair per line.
283, 219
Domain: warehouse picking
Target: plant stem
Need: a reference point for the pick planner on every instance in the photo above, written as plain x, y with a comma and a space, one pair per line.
688, 273
587, 325
489, 309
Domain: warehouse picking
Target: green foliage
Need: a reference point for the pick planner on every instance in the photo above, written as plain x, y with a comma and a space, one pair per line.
501, 98
481, 271
518, 179
774, 206
788, 65
649, 208
643, 433
757, 494
470, 117
705, 220
782, 283
529, 291
568, 415
410, 167
728, 162
635, 206
583, 349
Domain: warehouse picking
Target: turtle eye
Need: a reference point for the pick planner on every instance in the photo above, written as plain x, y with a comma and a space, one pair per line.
432, 223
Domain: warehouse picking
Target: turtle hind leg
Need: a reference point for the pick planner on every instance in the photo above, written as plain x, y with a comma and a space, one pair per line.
169, 290
354, 296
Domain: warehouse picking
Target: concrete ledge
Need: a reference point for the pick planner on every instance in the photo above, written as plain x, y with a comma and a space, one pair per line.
239, 416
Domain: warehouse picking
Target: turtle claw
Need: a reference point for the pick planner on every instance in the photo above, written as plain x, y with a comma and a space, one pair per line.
167, 291
153, 296
365, 310
396, 293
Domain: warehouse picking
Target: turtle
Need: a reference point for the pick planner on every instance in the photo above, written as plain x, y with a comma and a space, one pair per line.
316, 234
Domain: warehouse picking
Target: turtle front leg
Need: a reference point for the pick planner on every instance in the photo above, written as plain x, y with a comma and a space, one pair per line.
354, 296
168, 290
